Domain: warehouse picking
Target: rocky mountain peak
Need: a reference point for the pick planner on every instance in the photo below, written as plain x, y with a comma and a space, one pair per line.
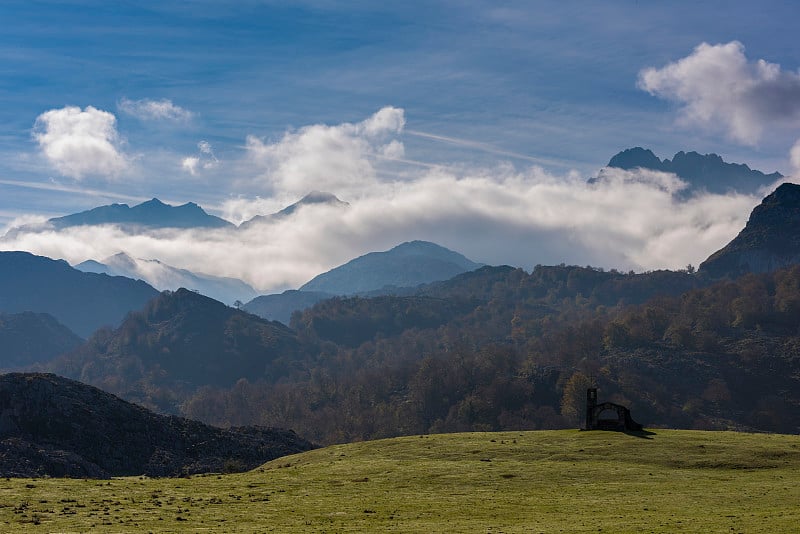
769, 241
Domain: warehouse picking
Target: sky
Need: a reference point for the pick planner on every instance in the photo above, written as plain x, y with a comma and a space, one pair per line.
472, 124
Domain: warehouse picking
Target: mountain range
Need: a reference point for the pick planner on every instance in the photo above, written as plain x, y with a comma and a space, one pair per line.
489, 348
702, 171
150, 214
155, 214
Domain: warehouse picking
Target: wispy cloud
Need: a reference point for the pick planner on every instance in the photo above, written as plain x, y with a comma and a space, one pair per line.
204, 160
154, 110
78, 143
717, 85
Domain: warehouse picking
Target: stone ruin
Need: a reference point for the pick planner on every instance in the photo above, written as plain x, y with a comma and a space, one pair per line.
608, 415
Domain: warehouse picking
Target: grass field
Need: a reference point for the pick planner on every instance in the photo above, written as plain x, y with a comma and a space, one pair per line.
549, 481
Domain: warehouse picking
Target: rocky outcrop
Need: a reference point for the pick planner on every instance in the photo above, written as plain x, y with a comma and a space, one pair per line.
769, 241
53, 426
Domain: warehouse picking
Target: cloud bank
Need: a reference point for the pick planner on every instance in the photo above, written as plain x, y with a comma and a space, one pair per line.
80, 143
500, 215
718, 85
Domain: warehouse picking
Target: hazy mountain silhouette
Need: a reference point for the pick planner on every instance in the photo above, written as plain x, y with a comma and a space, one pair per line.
313, 198
150, 214
53, 426
165, 277
29, 338
769, 241
406, 265
709, 172
395, 271
81, 301
281, 306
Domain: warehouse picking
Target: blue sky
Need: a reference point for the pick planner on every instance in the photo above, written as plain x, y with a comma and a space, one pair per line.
191, 98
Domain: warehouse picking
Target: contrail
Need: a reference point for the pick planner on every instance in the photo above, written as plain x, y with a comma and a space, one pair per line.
485, 147
68, 189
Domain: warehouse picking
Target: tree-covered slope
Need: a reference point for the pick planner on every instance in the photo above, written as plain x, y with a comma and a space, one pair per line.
29, 338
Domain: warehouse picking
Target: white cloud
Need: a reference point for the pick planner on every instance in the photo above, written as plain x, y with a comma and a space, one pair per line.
79, 143
332, 158
146, 109
718, 85
794, 158
190, 164
205, 159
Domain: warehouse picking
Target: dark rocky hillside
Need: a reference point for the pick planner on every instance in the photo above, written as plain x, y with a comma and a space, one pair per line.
81, 301
52, 426
769, 241
29, 338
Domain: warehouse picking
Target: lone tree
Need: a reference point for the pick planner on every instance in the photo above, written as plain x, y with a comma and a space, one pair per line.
573, 401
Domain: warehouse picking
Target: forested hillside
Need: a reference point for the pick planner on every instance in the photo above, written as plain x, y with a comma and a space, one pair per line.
497, 348
724, 356
178, 342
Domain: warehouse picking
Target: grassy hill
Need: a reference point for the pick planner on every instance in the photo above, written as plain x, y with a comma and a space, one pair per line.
544, 481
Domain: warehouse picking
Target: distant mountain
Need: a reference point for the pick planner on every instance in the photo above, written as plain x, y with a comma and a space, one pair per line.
81, 301
769, 241
29, 338
407, 265
55, 427
279, 307
313, 198
150, 214
709, 171
165, 277
181, 340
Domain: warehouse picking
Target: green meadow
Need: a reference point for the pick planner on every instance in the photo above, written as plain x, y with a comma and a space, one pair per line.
544, 481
